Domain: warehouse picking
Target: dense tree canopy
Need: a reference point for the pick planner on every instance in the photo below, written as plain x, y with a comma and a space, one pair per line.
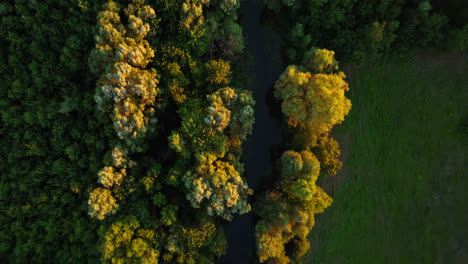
103, 112
357, 30
122, 123
52, 141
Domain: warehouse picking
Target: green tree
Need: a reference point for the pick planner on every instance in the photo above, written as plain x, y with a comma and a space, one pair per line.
462, 38
243, 118
300, 172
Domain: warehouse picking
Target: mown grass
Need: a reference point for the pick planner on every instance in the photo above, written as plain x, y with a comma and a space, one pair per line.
402, 194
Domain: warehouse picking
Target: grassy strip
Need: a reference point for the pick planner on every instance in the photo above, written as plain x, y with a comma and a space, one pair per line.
401, 196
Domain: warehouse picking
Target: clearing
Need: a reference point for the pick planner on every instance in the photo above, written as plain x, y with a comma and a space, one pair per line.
401, 195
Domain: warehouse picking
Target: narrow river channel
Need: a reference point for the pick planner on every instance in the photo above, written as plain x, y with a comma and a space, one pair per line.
263, 46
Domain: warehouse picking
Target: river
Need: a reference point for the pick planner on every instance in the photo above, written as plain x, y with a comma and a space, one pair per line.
263, 46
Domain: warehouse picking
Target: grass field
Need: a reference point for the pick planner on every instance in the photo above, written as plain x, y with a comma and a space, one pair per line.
402, 194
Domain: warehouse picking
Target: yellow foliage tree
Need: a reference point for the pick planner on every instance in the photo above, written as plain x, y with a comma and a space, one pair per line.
300, 172
315, 101
219, 115
125, 90
101, 203
126, 242
218, 72
109, 177
218, 182
320, 61
288, 213
192, 13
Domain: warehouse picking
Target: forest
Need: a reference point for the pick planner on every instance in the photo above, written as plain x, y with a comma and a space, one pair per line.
129, 131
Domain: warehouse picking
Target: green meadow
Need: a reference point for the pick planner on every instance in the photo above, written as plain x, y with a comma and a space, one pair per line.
401, 195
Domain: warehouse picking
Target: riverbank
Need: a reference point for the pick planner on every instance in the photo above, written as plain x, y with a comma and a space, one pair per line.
263, 48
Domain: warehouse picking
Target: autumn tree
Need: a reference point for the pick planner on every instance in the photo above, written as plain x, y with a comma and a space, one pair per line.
101, 203
218, 72
218, 182
127, 242
287, 214
192, 13
327, 151
108, 177
219, 115
233, 108
268, 232
310, 100
313, 101
125, 90
320, 61
78, 128
300, 172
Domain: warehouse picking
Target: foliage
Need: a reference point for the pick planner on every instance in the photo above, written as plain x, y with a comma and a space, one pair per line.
218, 72
313, 102
124, 89
50, 138
284, 223
357, 30
320, 61
125, 242
219, 182
78, 112
212, 131
316, 101
242, 115
218, 115
327, 152
101, 203
192, 13
109, 177
462, 38
299, 183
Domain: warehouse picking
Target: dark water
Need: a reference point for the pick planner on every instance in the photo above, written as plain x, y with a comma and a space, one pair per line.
263, 45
